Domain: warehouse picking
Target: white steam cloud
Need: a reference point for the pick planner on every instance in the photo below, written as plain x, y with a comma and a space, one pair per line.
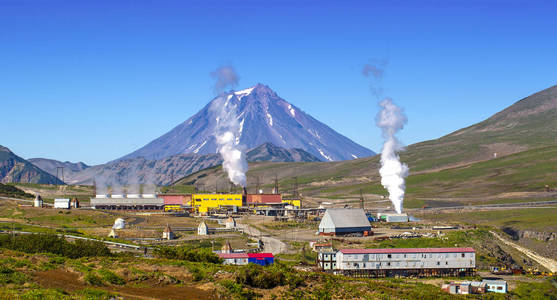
227, 130
390, 119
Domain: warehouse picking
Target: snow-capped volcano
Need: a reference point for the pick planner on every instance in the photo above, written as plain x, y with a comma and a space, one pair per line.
264, 117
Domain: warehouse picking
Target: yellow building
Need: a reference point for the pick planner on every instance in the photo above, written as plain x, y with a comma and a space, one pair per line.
295, 203
205, 202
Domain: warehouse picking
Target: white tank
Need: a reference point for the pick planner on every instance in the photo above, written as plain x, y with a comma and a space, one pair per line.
117, 196
149, 196
101, 196
38, 201
133, 196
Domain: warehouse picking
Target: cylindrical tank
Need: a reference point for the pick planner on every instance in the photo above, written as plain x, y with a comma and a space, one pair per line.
38, 201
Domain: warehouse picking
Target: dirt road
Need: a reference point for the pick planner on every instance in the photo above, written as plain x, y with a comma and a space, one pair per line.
549, 263
270, 244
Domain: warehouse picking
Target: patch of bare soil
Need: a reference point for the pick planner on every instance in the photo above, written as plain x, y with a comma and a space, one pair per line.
60, 279
70, 282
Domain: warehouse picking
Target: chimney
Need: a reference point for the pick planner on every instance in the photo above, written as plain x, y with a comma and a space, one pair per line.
244, 196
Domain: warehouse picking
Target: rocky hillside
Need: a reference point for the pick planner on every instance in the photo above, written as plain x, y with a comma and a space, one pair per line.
16, 169
165, 171
52, 165
264, 117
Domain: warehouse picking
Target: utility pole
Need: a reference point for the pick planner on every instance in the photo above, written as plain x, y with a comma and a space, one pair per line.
276, 185
60, 170
361, 199
257, 185
295, 192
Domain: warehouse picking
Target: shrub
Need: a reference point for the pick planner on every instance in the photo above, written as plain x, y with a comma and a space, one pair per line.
93, 279
8, 275
188, 254
90, 293
50, 243
111, 278
261, 277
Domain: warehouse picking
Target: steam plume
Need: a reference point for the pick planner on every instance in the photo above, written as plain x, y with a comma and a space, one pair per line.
228, 128
391, 119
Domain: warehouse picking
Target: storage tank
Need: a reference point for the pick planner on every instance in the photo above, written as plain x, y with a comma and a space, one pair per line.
117, 195
38, 201
149, 196
135, 196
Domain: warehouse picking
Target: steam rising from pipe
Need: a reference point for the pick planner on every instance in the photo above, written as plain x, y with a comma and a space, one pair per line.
390, 119
228, 128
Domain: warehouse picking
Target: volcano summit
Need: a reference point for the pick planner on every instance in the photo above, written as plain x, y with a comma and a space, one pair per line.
264, 118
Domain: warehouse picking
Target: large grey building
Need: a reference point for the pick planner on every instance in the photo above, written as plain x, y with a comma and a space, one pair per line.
339, 221
401, 261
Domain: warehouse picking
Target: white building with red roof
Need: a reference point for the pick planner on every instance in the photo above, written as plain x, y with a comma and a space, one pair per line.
407, 261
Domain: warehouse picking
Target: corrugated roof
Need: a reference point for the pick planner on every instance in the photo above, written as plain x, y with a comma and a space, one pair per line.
346, 217
260, 255
232, 255
407, 250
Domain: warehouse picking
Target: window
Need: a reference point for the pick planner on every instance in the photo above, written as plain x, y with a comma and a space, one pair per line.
404, 255
388, 264
446, 263
438, 263
462, 255
388, 255
500, 288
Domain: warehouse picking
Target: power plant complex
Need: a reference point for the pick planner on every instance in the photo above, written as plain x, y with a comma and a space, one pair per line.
202, 203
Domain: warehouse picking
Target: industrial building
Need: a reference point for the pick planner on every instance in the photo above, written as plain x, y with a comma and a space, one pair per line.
342, 221
175, 202
62, 203
262, 259
402, 262
392, 217
475, 287
127, 202
234, 258
202, 203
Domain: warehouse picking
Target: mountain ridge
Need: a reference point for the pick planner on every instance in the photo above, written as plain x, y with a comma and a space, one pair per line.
16, 169
263, 117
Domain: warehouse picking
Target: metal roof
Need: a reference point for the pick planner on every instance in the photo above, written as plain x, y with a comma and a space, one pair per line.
260, 255
344, 217
407, 250
232, 255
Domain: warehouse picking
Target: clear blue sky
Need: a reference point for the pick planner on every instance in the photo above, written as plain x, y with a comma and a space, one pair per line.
93, 80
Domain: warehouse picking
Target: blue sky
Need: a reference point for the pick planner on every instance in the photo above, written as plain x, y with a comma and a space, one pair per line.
94, 80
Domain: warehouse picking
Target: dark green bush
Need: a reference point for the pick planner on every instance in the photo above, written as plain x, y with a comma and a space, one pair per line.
188, 254
50, 243
8, 275
111, 278
93, 279
261, 277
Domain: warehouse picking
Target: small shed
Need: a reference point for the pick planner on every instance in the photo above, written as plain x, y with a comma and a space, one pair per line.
338, 221
234, 258
62, 203
495, 286
263, 259
202, 229
167, 233
230, 223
